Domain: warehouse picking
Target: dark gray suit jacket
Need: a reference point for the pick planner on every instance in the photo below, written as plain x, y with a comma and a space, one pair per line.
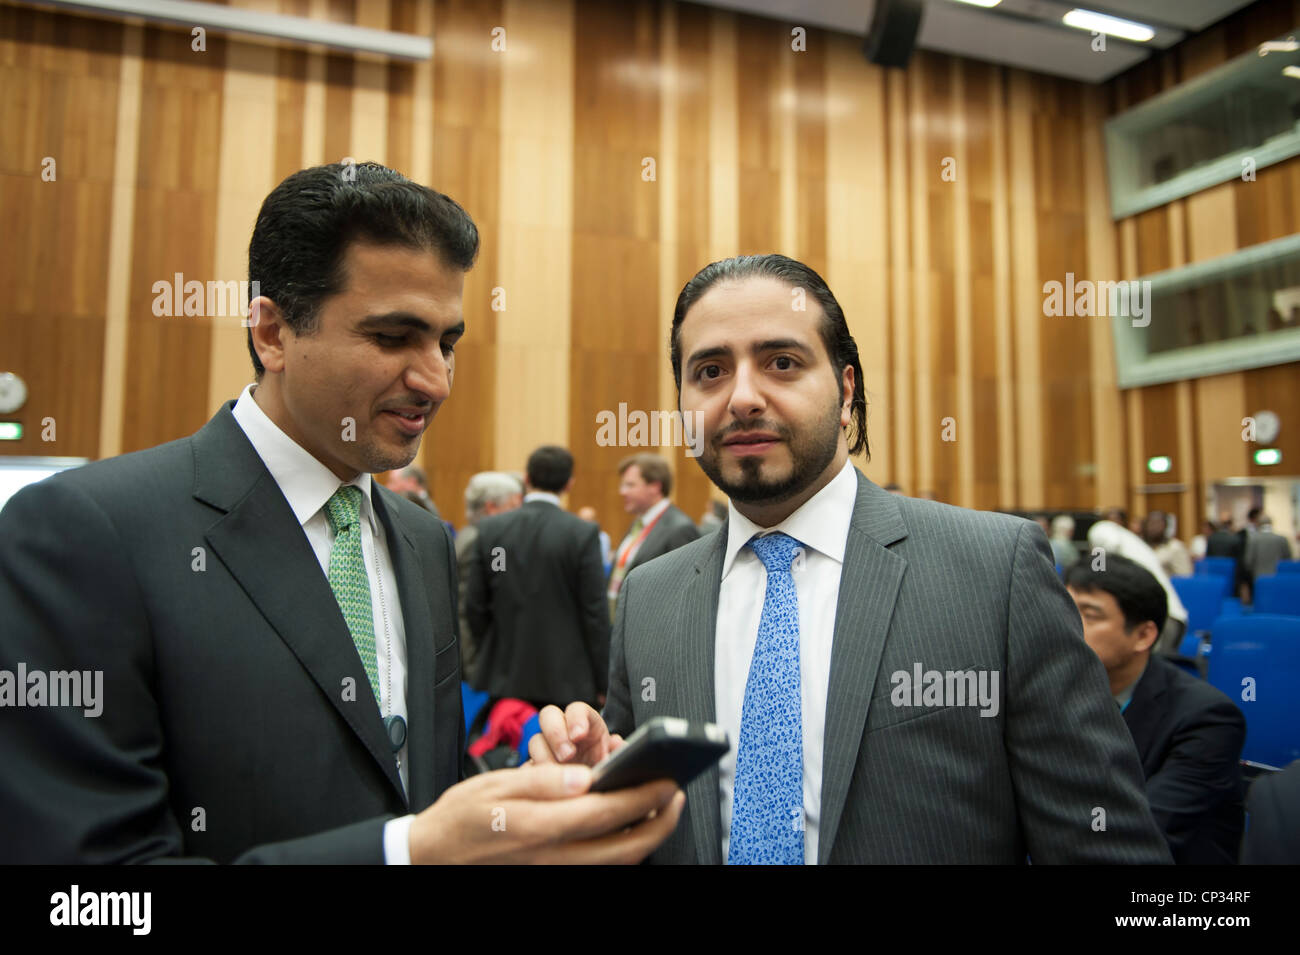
222, 687
1189, 736
671, 531
950, 589
535, 599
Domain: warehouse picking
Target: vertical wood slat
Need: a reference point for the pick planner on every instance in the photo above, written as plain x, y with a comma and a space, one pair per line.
535, 228
944, 280
619, 170
120, 231
464, 86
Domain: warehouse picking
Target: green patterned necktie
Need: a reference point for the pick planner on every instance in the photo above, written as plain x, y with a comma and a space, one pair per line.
348, 577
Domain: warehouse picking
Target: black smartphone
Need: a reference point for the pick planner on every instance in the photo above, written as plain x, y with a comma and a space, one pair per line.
667, 747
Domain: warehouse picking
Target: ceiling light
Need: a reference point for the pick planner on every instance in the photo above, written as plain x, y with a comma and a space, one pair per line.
1114, 26
981, 3
1289, 45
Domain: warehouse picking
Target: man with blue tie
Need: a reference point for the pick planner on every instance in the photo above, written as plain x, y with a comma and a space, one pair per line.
903, 681
276, 633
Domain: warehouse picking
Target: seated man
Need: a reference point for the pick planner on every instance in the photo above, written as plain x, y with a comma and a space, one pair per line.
1188, 734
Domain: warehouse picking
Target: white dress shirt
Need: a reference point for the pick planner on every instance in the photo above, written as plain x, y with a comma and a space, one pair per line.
822, 526
307, 485
546, 496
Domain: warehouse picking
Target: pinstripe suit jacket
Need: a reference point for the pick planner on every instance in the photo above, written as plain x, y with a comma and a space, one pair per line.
950, 589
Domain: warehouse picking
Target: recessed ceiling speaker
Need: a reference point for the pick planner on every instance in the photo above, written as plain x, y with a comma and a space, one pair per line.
891, 35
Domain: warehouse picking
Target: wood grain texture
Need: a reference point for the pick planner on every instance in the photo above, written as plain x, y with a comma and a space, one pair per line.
60, 87
164, 154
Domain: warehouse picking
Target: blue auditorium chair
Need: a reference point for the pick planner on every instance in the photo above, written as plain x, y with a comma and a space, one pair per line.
471, 701
1278, 595
1255, 660
1217, 566
531, 729
1288, 566
1203, 598
1192, 645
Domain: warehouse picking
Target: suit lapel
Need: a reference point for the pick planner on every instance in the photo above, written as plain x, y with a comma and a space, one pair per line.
698, 622
412, 591
869, 584
1151, 686
263, 546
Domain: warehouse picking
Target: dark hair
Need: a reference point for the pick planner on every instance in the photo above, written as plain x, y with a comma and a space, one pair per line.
549, 468
416, 473
1123, 515
839, 343
1135, 589
653, 470
308, 222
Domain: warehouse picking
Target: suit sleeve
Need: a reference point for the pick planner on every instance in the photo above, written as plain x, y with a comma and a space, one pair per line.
78, 788
1075, 770
594, 607
465, 560
617, 713
478, 609
1201, 771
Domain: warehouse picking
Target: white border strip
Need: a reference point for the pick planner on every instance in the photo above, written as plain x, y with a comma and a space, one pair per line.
273, 26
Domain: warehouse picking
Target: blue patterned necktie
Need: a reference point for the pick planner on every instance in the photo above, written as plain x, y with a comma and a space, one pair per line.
767, 804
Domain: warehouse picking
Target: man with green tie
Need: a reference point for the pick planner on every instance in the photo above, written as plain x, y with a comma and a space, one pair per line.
276, 632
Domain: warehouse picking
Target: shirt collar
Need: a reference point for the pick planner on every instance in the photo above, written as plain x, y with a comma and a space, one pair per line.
654, 511
822, 522
546, 496
1124, 696
305, 483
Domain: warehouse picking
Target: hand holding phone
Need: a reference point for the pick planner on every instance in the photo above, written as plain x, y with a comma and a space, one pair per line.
667, 747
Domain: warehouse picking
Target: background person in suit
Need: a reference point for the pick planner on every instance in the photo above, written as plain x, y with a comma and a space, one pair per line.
260, 609
487, 493
535, 599
796, 626
1273, 828
589, 515
658, 525
1112, 539
1188, 733
413, 484
1266, 547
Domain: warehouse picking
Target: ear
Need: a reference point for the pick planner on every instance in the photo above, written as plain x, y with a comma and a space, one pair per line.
846, 397
1146, 636
568, 487
267, 326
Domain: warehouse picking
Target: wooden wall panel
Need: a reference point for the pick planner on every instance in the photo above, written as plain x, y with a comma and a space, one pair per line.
59, 85
685, 232
615, 321
535, 228
761, 48
168, 358
807, 110
464, 86
59, 91
858, 229
758, 148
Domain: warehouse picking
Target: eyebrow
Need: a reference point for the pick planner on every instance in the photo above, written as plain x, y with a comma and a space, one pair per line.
408, 320
771, 344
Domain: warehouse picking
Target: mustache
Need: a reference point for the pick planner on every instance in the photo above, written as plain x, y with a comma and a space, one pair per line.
742, 427
423, 405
